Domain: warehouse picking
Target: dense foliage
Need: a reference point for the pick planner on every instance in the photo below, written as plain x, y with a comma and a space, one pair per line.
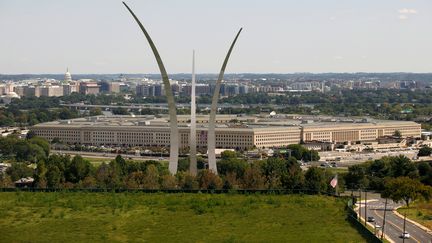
62, 171
373, 174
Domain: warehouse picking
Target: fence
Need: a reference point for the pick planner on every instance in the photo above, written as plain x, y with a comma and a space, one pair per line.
210, 191
354, 219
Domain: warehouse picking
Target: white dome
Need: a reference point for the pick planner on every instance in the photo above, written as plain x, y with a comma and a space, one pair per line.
12, 95
68, 76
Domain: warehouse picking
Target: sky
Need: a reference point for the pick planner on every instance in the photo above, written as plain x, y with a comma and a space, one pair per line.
279, 36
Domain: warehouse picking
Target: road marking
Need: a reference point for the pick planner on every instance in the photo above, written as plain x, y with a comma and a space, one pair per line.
388, 221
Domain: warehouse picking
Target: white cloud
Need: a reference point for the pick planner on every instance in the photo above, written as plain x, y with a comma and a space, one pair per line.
333, 18
338, 57
403, 17
407, 11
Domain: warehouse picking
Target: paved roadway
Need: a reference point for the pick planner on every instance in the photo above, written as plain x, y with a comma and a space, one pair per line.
394, 224
107, 155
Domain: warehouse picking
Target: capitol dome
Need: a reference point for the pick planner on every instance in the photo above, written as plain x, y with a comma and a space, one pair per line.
68, 76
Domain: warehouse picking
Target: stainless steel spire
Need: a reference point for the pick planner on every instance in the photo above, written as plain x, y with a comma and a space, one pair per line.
211, 138
174, 135
193, 160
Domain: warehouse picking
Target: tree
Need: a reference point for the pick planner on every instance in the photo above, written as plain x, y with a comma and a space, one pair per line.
78, 169
294, 177
135, 180
120, 111
6, 181
19, 170
230, 181
31, 134
168, 181
425, 172
187, 181
315, 180
405, 189
311, 155
397, 134
232, 165
356, 177
40, 177
274, 169
53, 176
253, 178
209, 180
228, 154
425, 151
41, 142
107, 176
151, 178
297, 150
183, 164
402, 166
95, 111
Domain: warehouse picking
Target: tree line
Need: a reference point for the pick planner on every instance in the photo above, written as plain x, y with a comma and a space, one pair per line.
63, 171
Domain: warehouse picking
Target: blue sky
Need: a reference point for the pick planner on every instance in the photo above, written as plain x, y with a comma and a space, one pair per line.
281, 36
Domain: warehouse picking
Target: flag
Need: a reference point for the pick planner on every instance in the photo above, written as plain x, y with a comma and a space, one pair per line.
334, 181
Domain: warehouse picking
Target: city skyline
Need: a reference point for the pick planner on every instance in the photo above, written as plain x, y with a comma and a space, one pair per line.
316, 37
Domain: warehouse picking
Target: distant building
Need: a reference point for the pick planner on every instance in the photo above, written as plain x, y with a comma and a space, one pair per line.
51, 90
72, 87
89, 87
246, 132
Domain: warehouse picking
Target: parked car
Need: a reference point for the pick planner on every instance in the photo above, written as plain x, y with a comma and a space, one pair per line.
370, 219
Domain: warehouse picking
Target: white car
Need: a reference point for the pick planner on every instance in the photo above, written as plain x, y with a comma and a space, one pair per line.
405, 235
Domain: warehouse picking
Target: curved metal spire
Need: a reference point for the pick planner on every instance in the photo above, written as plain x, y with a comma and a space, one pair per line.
211, 137
174, 136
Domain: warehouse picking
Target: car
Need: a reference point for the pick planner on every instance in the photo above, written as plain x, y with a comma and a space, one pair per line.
333, 164
370, 219
405, 235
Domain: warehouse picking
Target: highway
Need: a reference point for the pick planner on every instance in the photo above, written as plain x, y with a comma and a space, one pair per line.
393, 227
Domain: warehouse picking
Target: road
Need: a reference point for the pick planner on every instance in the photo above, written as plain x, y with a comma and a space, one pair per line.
107, 155
394, 224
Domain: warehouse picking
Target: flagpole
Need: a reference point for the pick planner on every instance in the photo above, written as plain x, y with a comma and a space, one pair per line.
337, 185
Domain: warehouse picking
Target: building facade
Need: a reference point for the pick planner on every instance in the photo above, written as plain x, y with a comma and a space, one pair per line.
232, 132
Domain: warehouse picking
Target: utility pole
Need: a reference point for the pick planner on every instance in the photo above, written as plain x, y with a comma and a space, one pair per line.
365, 214
359, 204
384, 220
403, 233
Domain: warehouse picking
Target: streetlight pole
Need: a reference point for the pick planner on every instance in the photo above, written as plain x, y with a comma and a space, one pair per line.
384, 220
359, 204
403, 233
365, 210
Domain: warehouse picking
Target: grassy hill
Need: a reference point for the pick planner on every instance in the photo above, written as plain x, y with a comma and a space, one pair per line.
139, 217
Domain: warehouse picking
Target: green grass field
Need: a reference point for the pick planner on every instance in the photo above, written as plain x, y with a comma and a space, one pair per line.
140, 217
420, 212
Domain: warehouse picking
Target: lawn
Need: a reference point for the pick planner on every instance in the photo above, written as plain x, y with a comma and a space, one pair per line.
98, 161
420, 212
140, 217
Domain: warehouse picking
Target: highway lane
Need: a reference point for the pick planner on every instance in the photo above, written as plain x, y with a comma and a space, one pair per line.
394, 224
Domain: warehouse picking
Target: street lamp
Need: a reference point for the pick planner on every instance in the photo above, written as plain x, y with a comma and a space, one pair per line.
403, 233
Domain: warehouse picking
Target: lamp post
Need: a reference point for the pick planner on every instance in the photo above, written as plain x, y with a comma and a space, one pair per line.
384, 220
365, 209
403, 233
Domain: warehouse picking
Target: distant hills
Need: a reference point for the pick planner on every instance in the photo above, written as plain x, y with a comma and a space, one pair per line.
421, 77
